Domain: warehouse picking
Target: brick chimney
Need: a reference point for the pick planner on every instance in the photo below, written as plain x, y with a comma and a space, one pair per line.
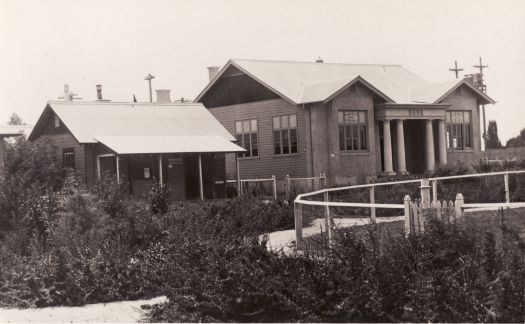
99, 91
163, 96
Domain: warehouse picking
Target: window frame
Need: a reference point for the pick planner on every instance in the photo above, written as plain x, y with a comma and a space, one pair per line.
57, 121
67, 152
243, 155
288, 131
344, 147
461, 130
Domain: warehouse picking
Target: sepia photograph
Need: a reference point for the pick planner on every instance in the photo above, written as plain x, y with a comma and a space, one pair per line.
262, 161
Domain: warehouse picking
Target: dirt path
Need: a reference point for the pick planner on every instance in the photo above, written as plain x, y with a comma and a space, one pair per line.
123, 311
284, 239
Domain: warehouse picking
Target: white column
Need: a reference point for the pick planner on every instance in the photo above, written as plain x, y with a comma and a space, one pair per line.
201, 188
387, 148
239, 188
429, 150
401, 161
161, 182
98, 167
442, 142
118, 171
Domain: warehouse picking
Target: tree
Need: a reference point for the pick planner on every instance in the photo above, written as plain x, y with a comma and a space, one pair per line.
15, 120
493, 141
518, 141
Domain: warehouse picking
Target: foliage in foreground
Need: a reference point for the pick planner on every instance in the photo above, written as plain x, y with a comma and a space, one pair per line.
469, 273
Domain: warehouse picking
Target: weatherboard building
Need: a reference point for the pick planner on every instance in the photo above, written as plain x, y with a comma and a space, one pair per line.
344, 120
181, 146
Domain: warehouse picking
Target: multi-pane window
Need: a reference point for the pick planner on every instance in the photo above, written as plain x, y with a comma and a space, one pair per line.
285, 134
458, 130
352, 130
246, 134
57, 122
68, 158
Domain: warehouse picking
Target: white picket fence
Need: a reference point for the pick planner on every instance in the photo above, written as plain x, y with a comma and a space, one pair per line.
425, 186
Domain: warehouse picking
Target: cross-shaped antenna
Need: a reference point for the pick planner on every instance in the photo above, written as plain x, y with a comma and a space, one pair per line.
150, 77
69, 96
483, 87
456, 69
480, 66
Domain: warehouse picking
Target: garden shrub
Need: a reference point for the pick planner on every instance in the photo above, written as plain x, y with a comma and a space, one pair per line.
158, 198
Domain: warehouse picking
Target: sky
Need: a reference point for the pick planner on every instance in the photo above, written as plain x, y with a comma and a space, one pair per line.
48, 43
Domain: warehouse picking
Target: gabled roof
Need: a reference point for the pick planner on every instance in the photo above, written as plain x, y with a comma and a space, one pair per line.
307, 82
118, 122
435, 92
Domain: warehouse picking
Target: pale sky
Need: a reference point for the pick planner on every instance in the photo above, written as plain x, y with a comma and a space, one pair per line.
46, 44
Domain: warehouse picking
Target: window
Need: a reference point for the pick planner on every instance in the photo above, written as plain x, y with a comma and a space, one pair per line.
285, 134
246, 134
57, 122
458, 130
352, 131
459, 91
68, 158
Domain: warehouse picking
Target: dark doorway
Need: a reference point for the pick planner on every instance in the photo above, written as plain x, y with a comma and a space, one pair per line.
175, 177
414, 131
191, 176
213, 176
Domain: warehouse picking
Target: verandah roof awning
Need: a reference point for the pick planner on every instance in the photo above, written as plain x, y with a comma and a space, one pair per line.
169, 144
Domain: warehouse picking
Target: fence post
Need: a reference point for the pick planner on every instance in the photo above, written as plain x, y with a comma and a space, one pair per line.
425, 190
507, 192
274, 181
288, 191
324, 180
298, 215
434, 191
327, 220
458, 206
372, 201
406, 202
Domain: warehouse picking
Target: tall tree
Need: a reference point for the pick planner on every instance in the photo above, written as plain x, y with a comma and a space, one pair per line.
517, 141
14, 119
493, 141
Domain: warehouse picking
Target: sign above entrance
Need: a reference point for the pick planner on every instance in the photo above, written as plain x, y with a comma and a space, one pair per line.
396, 111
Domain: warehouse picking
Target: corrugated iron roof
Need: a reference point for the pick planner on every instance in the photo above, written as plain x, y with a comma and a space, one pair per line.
307, 82
90, 120
14, 130
169, 144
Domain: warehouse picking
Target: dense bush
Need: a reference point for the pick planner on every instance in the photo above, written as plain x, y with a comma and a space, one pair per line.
470, 273
31, 169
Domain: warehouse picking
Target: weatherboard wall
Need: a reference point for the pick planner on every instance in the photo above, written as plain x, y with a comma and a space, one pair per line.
466, 101
267, 163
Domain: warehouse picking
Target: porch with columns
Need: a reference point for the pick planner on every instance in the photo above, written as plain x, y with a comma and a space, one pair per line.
413, 139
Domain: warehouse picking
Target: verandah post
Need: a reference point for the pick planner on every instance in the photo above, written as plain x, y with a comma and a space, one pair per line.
161, 182
201, 189
239, 186
118, 171
298, 215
